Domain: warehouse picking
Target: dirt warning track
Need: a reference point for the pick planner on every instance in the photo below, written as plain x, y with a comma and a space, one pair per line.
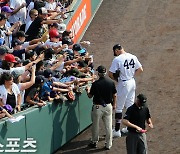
151, 31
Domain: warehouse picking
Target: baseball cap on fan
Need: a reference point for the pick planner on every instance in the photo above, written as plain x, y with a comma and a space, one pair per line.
77, 47
101, 69
54, 33
6, 9
61, 27
10, 58
42, 10
48, 73
3, 50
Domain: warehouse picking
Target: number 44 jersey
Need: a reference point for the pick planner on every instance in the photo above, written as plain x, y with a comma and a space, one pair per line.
127, 64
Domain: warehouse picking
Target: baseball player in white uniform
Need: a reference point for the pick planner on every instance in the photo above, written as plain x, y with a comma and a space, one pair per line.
127, 66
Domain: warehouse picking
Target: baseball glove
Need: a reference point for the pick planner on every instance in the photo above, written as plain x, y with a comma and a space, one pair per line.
71, 96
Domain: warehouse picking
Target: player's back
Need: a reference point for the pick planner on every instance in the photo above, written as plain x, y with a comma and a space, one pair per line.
127, 64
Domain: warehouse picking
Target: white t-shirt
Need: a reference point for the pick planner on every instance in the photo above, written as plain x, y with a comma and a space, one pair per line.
25, 45
50, 6
49, 44
127, 64
21, 14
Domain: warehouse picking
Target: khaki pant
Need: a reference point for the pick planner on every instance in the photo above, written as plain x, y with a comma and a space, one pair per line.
98, 112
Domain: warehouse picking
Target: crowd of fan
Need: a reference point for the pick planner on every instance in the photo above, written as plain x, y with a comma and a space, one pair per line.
39, 61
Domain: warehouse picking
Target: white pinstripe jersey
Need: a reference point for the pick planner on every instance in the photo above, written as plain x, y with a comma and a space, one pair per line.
127, 64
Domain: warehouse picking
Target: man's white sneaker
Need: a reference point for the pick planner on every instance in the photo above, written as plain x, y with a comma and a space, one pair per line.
124, 130
116, 133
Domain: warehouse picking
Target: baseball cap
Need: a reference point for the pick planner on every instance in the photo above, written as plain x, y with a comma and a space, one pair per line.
8, 108
10, 58
78, 47
16, 42
61, 27
6, 9
117, 46
2, 16
142, 98
21, 34
39, 79
54, 25
54, 33
3, 50
15, 75
42, 10
101, 69
48, 73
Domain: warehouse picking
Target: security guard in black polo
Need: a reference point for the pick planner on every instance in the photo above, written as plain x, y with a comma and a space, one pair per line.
135, 118
103, 92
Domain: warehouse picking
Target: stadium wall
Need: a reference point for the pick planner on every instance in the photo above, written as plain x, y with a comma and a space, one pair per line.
49, 127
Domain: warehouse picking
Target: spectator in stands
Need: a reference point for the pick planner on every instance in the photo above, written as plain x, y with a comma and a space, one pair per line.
20, 47
31, 6
3, 19
9, 29
18, 11
33, 98
32, 16
18, 51
24, 85
35, 29
52, 89
51, 6
3, 51
9, 92
31, 55
8, 64
53, 40
67, 33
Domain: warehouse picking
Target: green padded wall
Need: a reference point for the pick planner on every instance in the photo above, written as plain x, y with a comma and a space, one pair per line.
85, 106
39, 125
65, 122
12, 130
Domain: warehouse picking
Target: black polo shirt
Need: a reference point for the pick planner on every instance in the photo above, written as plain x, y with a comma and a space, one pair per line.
34, 29
103, 90
137, 116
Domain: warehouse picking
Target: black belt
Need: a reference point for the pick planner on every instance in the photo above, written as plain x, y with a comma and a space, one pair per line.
104, 105
126, 80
